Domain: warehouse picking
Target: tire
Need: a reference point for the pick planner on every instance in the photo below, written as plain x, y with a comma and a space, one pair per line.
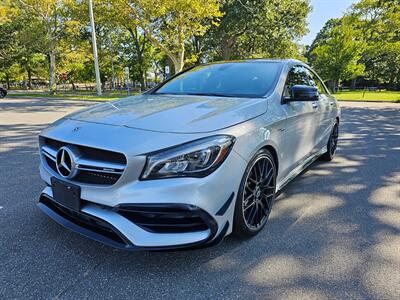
331, 147
258, 186
3, 93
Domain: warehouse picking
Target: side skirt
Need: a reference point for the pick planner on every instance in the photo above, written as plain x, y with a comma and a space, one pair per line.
292, 175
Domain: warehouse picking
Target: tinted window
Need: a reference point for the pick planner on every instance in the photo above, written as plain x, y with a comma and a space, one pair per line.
317, 83
298, 75
236, 79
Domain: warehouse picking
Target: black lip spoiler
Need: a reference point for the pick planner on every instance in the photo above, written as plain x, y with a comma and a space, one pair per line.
48, 206
67, 223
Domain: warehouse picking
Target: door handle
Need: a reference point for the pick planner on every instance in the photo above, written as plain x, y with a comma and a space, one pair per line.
331, 103
315, 105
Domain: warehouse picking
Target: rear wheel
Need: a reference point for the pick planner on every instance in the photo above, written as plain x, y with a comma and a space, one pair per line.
332, 143
256, 195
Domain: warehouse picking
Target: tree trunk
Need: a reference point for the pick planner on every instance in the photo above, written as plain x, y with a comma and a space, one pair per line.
29, 71
226, 50
337, 82
142, 80
331, 85
52, 71
140, 48
112, 74
226, 47
397, 84
52, 58
8, 81
177, 66
142, 71
353, 84
179, 60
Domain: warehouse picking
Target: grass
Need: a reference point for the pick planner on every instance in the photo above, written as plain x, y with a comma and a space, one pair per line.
369, 96
81, 95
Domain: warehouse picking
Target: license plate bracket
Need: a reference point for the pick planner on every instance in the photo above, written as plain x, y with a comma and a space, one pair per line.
67, 194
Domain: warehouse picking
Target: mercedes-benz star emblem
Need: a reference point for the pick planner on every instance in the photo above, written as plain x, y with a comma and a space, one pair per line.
65, 163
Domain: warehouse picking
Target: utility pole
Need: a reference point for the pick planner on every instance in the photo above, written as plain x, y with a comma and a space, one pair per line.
96, 61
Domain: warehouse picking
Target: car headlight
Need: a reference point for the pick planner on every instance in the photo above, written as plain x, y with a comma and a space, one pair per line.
194, 159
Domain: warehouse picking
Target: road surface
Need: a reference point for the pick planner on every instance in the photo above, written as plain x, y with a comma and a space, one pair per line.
334, 232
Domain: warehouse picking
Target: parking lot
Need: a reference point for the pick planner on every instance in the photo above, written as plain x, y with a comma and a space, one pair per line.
334, 232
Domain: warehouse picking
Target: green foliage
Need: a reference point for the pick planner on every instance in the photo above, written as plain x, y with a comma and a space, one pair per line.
51, 18
336, 54
169, 24
379, 22
258, 28
366, 41
47, 38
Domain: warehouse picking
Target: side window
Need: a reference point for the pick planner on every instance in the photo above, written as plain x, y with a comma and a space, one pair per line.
298, 75
317, 83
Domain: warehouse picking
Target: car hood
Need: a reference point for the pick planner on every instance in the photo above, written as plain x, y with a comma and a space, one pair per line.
174, 113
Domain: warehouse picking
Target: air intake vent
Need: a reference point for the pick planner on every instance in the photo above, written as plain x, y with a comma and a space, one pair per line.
167, 219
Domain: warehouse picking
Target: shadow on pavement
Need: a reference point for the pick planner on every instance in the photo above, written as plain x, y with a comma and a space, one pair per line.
40, 104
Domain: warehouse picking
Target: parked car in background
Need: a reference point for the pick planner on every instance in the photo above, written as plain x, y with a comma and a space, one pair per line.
3, 92
198, 157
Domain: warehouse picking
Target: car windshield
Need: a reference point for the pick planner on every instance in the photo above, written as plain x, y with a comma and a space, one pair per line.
233, 79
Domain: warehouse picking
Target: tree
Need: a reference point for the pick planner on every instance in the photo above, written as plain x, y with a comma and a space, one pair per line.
372, 31
259, 28
20, 40
50, 13
322, 36
170, 24
379, 23
336, 53
31, 54
8, 41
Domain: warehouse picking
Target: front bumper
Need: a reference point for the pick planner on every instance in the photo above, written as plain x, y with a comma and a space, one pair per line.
212, 197
155, 214
120, 233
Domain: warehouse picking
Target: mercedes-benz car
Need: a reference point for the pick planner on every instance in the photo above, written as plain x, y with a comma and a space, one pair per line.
191, 161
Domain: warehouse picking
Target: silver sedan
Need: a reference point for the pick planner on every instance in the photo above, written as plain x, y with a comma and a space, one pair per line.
197, 158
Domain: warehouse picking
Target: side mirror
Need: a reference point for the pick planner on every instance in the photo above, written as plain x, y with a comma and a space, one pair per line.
303, 93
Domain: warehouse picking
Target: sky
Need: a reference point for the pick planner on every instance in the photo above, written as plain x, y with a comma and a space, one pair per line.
323, 10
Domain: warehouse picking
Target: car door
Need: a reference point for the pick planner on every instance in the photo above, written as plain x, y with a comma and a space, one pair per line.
300, 129
323, 121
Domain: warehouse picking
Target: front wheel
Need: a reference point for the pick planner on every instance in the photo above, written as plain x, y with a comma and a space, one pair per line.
256, 195
332, 143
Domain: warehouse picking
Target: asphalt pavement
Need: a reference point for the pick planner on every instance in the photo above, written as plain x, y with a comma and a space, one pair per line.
334, 232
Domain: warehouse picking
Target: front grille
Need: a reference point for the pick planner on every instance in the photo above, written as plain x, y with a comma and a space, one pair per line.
166, 219
95, 166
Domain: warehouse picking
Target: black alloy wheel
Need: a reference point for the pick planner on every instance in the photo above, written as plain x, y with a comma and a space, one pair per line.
332, 143
256, 195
